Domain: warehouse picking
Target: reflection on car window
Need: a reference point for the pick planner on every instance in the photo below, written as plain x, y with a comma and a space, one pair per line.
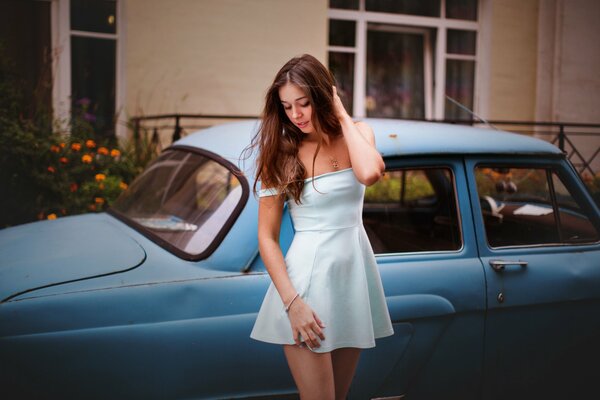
184, 198
519, 207
411, 210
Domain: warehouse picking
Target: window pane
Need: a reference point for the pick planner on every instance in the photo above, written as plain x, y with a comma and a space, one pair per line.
342, 67
428, 8
460, 82
183, 198
26, 52
574, 223
516, 206
341, 32
412, 210
461, 42
93, 69
395, 73
94, 15
461, 9
344, 4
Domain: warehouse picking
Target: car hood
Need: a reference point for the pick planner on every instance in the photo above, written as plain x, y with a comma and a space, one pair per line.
51, 252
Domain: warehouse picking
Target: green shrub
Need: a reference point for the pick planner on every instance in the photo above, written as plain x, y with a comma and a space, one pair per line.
48, 173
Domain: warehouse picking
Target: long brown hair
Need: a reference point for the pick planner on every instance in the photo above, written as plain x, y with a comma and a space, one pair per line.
278, 139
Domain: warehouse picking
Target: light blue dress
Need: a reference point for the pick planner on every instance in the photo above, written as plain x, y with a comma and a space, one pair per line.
331, 264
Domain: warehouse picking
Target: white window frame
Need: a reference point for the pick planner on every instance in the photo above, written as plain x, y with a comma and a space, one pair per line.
61, 67
434, 96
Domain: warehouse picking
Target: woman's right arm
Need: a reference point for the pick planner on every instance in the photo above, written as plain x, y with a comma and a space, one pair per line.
302, 318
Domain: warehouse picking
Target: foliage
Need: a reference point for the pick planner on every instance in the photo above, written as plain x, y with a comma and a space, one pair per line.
389, 188
593, 185
48, 173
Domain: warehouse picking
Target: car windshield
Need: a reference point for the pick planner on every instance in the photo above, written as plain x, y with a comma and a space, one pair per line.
185, 201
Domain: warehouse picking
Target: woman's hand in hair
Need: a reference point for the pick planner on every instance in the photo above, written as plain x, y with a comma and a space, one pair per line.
340, 111
305, 322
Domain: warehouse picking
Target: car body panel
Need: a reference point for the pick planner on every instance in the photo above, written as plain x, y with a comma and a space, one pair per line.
176, 328
41, 254
443, 301
554, 299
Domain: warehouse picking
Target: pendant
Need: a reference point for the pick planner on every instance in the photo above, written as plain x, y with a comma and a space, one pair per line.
334, 162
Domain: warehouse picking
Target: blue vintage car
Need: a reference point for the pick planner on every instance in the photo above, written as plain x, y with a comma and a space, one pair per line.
488, 245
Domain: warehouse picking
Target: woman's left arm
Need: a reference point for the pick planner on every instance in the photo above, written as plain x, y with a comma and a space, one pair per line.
366, 161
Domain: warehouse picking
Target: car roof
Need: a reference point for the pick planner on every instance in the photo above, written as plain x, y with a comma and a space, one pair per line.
393, 138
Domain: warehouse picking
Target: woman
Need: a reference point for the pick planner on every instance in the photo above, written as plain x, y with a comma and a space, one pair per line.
326, 301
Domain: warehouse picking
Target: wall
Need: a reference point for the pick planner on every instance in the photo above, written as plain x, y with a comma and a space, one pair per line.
568, 88
513, 60
574, 85
214, 56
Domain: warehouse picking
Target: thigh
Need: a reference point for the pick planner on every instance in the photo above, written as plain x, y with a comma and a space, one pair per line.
312, 372
344, 363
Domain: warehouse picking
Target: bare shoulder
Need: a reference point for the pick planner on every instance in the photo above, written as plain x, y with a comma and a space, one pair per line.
366, 130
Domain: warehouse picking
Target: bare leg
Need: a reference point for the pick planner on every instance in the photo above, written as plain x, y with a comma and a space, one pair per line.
312, 372
344, 363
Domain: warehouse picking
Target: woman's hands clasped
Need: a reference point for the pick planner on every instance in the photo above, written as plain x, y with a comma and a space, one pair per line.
305, 323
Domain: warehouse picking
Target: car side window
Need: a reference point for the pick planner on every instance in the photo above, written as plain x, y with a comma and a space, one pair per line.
530, 206
412, 210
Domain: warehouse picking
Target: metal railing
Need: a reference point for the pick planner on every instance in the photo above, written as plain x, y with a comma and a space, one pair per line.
162, 133
568, 136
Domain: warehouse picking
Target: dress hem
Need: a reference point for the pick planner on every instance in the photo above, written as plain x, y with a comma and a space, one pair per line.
362, 345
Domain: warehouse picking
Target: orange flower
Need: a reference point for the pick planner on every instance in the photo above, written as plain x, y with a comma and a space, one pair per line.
103, 151
100, 177
73, 187
90, 144
51, 169
54, 148
62, 145
99, 200
92, 207
63, 160
52, 216
123, 185
86, 158
115, 153
101, 186
75, 146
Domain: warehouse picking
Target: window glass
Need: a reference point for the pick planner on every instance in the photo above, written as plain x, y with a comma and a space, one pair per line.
342, 32
460, 82
412, 210
93, 82
341, 66
518, 208
428, 8
575, 225
94, 15
184, 198
462, 9
344, 4
395, 73
461, 42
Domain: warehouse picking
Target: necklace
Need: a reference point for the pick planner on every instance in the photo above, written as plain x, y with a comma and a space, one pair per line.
334, 162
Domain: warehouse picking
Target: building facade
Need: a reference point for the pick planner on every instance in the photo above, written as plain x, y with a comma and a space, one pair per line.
423, 59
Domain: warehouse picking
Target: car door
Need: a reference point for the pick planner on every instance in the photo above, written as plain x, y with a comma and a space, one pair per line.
537, 232
419, 224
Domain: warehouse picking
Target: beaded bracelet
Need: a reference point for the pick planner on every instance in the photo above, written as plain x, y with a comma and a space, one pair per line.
287, 308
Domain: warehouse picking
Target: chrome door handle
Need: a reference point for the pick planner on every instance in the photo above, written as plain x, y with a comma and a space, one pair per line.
498, 265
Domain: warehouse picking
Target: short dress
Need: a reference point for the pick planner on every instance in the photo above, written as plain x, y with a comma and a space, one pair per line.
331, 264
